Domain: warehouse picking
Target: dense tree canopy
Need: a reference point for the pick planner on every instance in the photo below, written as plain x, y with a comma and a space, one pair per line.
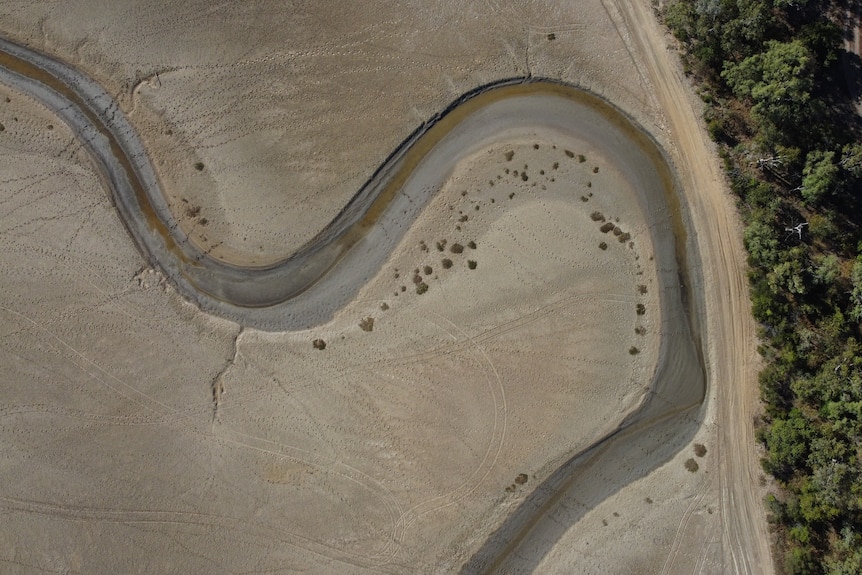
772, 74
779, 83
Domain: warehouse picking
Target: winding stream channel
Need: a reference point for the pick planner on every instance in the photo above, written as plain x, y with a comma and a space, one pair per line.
309, 286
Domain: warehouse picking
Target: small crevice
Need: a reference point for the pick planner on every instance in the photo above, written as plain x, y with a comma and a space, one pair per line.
217, 385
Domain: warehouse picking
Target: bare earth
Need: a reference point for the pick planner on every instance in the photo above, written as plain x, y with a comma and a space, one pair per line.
141, 435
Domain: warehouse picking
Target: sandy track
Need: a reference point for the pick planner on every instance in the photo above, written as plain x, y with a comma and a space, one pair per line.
731, 331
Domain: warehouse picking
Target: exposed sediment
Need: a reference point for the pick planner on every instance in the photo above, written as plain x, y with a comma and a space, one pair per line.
308, 287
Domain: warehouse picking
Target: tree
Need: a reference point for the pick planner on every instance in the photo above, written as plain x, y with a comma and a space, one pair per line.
856, 291
761, 243
787, 442
820, 176
779, 83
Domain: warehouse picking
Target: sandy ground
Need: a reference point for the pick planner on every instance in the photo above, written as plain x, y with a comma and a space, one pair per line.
392, 450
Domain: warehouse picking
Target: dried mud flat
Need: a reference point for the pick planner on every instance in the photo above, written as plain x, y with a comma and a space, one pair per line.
142, 435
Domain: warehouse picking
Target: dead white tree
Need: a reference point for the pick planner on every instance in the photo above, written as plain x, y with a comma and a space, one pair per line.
770, 162
797, 228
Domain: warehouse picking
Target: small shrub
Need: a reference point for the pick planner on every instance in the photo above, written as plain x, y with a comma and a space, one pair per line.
606, 227
648, 500
471, 264
581, 158
521, 479
421, 288
642, 289
597, 217
463, 218
551, 37
556, 165
384, 306
471, 245
456, 248
624, 237
691, 465
447, 263
634, 351
524, 176
199, 166
603, 246
367, 324
596, 170
512, 195
509, 155
641, 309
428, 270
699, 449
319, 344
640, 330
441, 245
417, 279
570, 153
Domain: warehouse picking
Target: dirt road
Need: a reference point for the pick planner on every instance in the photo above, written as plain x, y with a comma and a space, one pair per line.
731, 331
